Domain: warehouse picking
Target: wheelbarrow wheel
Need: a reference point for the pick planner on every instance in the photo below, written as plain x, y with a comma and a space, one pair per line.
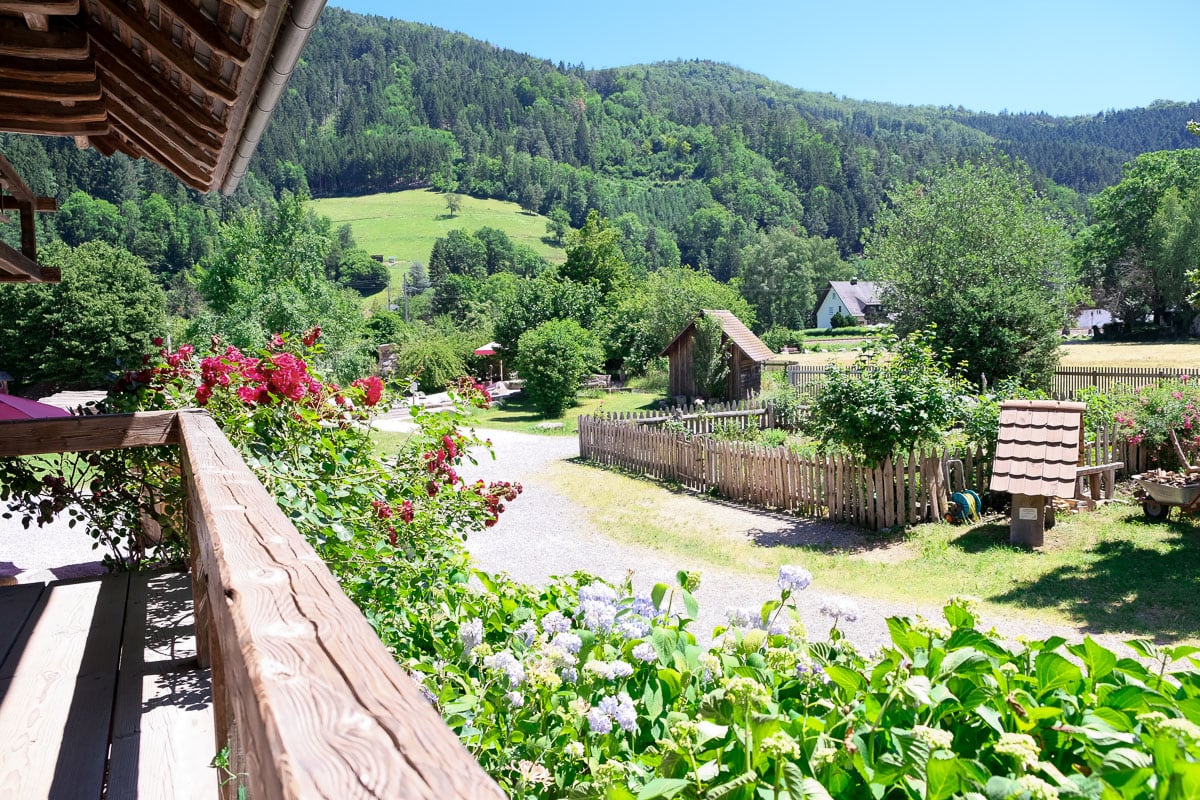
1155, 510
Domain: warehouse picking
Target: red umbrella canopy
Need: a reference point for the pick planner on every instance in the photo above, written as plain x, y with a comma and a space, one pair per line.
489, 349
12, 407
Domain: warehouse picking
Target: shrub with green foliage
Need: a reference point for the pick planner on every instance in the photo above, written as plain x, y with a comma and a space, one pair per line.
432, 360
710, 358
1147, 416
900, 395
96, 323
778, 338
842, 320
552, 359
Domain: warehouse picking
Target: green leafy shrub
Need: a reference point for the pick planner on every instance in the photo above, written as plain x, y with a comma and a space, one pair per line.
842, 320
778, 338
710, 359
1148, 415
847, 331
552, 359
789, 406
902, 396
432, 360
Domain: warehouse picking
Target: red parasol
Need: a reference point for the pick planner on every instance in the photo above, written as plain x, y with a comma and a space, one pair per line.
19, 408
489, 349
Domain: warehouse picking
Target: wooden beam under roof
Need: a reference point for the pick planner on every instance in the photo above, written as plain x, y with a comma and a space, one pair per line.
166, 49
82, 92
158, 92
165, 151
212, 36
58, 128
46, 70
49, 111
62, 41
16, 267
54, 8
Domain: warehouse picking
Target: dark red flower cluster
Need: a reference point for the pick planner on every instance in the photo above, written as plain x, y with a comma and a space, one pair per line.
311, 335
492, 494
372, 389
472, 391
440, 463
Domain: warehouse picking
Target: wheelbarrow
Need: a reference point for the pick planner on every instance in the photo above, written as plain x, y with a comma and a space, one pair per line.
1161, 497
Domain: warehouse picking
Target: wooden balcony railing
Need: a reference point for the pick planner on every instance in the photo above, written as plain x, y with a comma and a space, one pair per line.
306, 697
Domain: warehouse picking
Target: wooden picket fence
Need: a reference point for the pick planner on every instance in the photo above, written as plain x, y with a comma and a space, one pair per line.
903, 491
1067, 380
702, 419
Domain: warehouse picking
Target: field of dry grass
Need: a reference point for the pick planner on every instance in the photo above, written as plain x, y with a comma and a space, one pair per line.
1075, 354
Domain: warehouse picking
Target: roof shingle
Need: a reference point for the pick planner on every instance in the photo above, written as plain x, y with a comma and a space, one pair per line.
1037, 452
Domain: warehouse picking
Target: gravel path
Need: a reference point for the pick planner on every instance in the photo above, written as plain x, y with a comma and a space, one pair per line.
543, 534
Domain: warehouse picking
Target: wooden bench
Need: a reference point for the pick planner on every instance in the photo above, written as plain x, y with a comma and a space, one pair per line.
100, 690
1101, 479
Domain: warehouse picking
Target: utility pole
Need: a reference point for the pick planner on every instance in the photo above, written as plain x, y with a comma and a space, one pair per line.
404, 289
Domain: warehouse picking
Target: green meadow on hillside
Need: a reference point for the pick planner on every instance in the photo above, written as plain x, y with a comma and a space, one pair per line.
405, 224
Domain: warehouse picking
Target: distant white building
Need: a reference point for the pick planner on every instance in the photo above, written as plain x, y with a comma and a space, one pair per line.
859, 299
1093, 317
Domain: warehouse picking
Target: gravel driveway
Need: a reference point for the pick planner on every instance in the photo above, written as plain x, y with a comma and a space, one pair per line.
543, 534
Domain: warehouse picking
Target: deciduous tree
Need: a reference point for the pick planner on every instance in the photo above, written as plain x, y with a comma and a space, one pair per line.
978, 254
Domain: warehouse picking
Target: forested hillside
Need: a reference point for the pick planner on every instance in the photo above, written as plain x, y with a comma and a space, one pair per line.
693, 154
704, 152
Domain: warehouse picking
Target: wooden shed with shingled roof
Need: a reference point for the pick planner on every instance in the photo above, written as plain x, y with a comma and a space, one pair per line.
746, 355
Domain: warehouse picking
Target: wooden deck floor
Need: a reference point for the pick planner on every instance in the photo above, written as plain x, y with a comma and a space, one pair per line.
100, 695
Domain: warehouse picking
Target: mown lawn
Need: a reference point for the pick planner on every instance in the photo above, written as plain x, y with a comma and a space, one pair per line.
518, 414
1110, 571
405, 224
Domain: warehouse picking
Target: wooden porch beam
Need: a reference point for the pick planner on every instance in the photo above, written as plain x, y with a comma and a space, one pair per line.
80, 434
40, 204
34, 111
55, 128
188, 16
308, 698
16, 267
164, 150
150, 87
83, 91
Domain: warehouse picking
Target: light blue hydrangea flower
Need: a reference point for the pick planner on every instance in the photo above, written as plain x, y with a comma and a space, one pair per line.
793, 578
599, 722
555, 622
506, 662
841, 609
471, 634
645, 652
527, 632
626, 713
567, 641
740, 617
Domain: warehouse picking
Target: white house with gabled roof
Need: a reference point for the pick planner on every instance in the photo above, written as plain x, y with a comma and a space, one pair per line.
859, 299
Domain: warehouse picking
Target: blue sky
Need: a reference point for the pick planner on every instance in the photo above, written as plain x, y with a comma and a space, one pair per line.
1060, 56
